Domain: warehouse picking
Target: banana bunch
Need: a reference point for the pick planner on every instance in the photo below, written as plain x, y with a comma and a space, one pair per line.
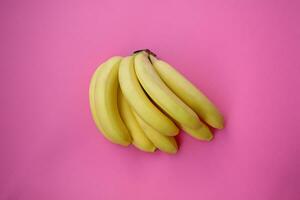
143, 101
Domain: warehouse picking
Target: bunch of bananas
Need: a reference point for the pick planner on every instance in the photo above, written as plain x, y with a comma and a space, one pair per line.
142, 100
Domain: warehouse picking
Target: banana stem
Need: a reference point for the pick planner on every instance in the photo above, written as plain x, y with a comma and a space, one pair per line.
148, 51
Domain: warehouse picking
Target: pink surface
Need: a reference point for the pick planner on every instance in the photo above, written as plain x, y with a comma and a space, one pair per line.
243, 54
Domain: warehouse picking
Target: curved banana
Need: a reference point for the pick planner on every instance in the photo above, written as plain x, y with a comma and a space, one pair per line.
139, 101
103, 102
139, 139
161, 94
164, 143
201, 133
92, 98
185, 90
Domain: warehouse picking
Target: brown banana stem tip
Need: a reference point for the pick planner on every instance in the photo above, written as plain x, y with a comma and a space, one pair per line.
146, 50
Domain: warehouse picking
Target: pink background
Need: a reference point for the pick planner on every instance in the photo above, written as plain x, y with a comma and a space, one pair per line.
243, 54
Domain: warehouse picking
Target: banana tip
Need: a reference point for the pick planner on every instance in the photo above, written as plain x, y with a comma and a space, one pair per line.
148, 51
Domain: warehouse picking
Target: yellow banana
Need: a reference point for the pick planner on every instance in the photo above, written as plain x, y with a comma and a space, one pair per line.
164, 143
103, 102
161, 94
139, 139
139, 101
185, 90
201, 133
92, 98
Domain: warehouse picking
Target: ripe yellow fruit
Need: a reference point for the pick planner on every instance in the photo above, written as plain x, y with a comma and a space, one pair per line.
103, 102
192, 96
